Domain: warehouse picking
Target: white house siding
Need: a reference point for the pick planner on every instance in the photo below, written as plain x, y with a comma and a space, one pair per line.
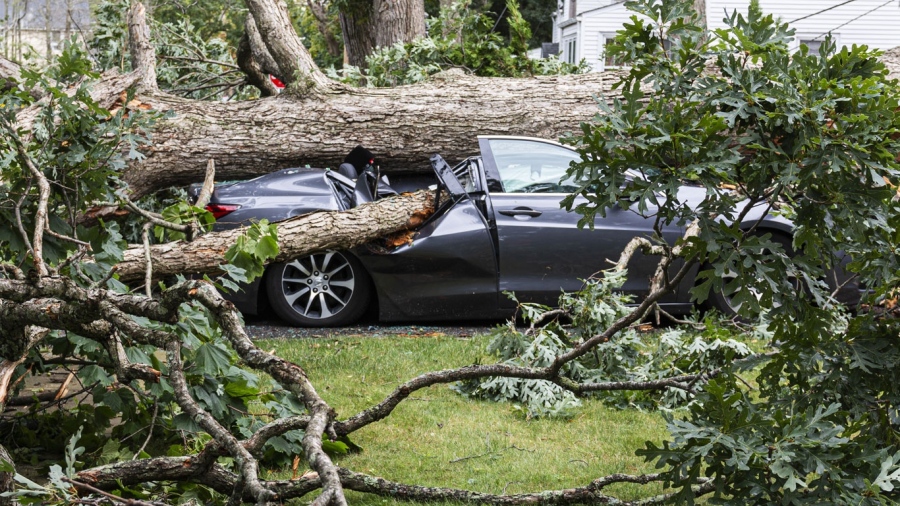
878, 23
596, 21
596, 27
875, 23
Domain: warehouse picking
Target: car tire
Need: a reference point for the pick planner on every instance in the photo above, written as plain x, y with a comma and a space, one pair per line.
722, 302
327, 289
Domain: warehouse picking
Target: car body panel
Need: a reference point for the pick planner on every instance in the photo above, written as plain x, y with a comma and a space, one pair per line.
449, 270
541, 254
276, 197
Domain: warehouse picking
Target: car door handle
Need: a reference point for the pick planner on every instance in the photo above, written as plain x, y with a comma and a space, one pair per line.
520, 211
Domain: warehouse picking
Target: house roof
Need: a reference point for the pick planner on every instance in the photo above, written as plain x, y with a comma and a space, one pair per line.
613, 3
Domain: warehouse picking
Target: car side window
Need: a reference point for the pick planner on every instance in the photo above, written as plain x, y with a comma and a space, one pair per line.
528, 166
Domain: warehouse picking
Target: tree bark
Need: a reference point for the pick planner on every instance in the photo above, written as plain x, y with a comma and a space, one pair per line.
255, 61
398, 21
297, 236
403, 126
356, 17
143, 55
9, 74
700, 7
6, 477
369, 24
282, 42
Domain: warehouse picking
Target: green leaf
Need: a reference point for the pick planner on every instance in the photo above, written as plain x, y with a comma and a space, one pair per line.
91, 374
213, 359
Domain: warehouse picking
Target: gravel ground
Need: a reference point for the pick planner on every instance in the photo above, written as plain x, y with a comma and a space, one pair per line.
269, 328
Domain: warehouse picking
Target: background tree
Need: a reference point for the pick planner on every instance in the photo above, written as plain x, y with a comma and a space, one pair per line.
320, 24
369, 24
460, 39
536, 12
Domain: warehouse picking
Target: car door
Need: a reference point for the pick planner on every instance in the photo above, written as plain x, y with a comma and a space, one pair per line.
541, 250
448, 268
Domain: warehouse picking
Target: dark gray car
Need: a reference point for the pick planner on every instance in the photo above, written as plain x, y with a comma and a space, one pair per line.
501, 231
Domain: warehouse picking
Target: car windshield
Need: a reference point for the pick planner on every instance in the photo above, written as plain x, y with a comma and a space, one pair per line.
529, 166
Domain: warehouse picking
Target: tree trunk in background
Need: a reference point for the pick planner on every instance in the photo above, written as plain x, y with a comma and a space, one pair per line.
369, 24
357, 22
700, 7
48, 27
318, 10
398, 21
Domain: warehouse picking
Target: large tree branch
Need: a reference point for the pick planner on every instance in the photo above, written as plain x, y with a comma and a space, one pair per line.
189, 470
297, 236
247, 465
298, 69
255, 61
76, 308
291, 377
11, 77
143, 54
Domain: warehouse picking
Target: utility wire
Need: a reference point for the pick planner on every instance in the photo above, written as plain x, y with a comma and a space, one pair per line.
854, 19
821, 11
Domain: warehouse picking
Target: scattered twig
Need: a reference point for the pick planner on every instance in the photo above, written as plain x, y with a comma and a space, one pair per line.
148, 275
95, 490
64, 387
470, 457
208, 184
157, 219
149, 431
229, 84
673, 319
106, 277
200, 60
27, 400
505, 487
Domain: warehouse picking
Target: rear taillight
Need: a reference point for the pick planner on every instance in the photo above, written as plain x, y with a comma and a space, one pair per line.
220, 210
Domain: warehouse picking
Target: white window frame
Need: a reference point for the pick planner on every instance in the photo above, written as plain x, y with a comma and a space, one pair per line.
804, 38
602, 39
570, 49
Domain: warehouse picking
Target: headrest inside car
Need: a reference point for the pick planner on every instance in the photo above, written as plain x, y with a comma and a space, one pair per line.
348, 170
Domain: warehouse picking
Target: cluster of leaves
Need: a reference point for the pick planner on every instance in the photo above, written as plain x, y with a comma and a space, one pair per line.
191, 61
810, 138
630, 356
78, 146
460, 38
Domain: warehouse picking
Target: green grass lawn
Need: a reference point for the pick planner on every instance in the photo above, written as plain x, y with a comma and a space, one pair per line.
440, 438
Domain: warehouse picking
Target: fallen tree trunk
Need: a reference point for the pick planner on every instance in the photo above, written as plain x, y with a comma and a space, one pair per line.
403, 126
